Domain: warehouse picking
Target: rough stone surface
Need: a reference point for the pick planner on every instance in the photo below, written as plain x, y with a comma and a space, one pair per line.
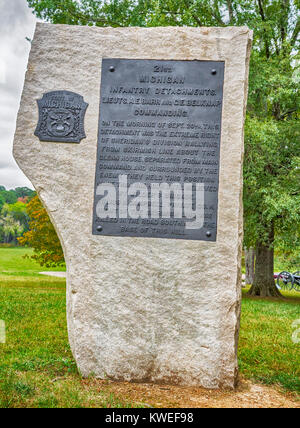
139, 309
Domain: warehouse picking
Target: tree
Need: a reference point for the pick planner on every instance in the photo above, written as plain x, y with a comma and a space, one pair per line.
9, 196
42, 236
271, 168
2, 201
249, 264
13, 215
272, 152
11, 227
18, 212
23, 192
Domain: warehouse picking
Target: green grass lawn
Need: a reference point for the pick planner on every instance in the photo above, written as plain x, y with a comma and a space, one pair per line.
266, 349
14, 261
36, 365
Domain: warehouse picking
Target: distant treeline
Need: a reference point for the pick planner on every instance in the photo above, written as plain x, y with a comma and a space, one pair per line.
14, 220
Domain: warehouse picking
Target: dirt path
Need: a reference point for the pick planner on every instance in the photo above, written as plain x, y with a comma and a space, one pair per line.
57, 274
247, 394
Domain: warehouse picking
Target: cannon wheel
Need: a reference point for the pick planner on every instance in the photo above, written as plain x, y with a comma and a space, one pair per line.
296, 280
285, 281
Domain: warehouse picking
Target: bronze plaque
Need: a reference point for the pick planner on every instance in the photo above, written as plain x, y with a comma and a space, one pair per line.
61, 117
157, 171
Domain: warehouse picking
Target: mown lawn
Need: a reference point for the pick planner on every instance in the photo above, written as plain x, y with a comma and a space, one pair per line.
36, 365
36, 356
267, 352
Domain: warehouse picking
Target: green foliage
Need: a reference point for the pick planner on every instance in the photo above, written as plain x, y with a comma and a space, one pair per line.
10, 229
265, 16
18, 212
42, 236
10, 226
271, 181
286, 258
9, 196
23, 192
13, 216
2, 201
23, 220
113, 13
12, 196
272, 138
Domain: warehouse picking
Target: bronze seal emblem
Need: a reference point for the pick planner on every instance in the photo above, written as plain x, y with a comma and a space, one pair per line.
61, 117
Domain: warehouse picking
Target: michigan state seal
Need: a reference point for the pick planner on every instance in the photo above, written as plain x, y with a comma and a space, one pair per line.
61, 117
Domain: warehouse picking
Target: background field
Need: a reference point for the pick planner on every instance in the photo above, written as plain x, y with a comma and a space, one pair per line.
37, 368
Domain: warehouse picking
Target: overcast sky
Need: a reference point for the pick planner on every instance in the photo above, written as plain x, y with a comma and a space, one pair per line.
16, 23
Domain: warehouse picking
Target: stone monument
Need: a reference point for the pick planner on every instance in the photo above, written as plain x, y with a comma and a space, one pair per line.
133, 139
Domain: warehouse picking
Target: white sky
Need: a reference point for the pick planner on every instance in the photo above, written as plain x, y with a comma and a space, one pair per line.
16, 23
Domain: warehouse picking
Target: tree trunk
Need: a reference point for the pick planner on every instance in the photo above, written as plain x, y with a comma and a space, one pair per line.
249, 264
264, 284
